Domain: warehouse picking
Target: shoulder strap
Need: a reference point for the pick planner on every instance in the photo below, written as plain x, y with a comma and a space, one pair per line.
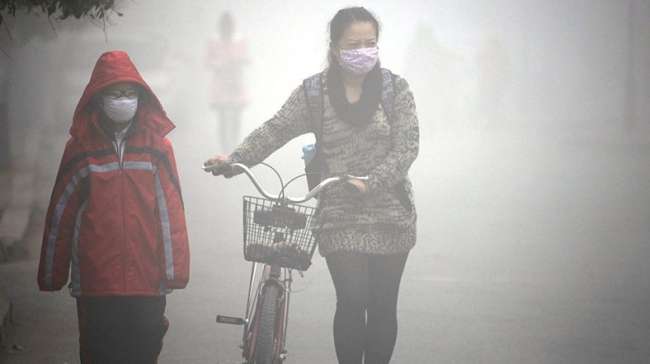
388, 92
313, 88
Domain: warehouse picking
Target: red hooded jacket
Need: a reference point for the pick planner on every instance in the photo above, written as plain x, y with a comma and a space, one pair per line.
117, 226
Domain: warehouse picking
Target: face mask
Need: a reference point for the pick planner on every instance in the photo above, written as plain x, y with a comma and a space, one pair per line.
120, 110
359, 61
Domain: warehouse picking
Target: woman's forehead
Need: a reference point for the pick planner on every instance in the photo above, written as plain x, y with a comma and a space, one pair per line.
360, 31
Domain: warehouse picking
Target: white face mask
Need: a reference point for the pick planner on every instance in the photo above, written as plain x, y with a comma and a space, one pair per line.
122, 109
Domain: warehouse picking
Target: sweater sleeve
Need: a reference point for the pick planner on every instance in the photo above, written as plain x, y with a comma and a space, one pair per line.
404, 142
289, 122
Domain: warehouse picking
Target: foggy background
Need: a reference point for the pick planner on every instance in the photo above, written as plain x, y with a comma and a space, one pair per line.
531, 185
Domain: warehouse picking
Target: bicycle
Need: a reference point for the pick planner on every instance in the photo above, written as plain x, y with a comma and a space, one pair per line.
277, 235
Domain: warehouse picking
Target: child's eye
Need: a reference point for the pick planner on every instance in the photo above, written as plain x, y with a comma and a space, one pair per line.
117, 95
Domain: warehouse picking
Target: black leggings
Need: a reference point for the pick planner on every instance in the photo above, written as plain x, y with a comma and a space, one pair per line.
365, 323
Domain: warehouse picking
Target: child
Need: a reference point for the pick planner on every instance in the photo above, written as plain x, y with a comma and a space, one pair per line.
116, 218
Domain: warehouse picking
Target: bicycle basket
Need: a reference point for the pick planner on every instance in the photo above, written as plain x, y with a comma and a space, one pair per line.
278, 233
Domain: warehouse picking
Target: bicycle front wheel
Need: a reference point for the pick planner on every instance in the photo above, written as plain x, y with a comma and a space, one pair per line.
265, 342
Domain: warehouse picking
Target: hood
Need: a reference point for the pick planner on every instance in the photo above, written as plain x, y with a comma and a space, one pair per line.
114, 67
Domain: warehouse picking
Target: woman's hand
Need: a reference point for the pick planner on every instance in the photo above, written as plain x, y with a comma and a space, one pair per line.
215, 162
359, 185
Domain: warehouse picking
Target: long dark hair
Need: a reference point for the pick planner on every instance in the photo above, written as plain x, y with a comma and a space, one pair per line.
342, 20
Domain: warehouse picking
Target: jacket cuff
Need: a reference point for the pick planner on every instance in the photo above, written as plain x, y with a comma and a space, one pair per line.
176, 284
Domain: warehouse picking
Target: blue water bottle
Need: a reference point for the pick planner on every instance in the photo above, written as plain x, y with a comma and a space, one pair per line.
313, 165
308, 153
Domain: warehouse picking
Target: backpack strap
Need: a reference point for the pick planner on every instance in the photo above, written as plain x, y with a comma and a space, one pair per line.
313, 88
388, 92
315, 166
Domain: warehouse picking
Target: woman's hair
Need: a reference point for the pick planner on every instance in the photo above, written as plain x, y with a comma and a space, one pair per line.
343, 19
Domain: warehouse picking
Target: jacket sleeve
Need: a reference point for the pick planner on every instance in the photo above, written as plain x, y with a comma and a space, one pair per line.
175, 251
404, 136
67, 197
289, 122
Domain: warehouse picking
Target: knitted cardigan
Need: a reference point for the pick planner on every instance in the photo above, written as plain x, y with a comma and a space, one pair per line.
382, 150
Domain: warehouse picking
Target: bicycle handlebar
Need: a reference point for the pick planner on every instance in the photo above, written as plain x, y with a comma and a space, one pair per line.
228, 168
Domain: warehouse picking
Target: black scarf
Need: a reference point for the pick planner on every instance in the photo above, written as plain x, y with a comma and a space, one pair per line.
361, 112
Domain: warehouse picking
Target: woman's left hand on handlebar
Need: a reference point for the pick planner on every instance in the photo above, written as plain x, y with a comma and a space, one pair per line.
215, 161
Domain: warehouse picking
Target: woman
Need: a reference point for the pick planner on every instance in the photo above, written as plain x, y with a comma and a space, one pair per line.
365, 232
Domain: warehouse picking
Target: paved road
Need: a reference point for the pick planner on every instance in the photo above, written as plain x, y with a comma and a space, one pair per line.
531, 250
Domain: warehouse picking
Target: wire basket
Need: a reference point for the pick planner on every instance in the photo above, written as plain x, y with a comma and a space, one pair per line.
278, 233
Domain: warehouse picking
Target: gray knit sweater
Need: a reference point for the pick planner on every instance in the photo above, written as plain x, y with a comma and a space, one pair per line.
383, 150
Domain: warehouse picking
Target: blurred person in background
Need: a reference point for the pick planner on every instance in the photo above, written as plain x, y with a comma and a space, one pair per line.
116, 222
227, 57
365, 230
431, 68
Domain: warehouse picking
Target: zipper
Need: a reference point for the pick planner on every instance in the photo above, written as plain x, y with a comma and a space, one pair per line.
124, 245
119, 152
125, 249
118, 148
121, 177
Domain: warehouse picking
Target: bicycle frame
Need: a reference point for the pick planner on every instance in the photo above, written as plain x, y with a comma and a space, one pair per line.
271, 275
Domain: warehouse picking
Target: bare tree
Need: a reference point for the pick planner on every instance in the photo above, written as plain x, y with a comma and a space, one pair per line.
18, 25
